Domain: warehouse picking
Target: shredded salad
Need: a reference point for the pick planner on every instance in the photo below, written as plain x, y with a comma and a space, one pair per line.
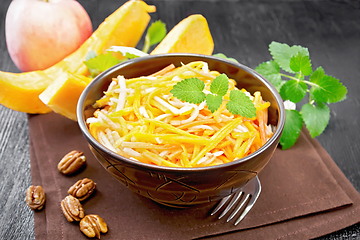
140, 119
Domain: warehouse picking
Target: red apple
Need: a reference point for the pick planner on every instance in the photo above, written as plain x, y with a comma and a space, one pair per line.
40, 33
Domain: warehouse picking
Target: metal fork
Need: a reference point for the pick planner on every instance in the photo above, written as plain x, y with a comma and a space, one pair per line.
251, 191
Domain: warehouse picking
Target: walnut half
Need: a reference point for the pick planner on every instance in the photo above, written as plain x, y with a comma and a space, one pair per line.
72, 208
71, 162
92, 225
82, 189
35, 197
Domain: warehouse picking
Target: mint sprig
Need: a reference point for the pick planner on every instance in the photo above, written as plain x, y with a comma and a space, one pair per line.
293, 85
191, 90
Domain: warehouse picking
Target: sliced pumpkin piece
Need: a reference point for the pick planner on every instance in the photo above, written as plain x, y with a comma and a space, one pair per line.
191, 35
23, 95
20, 91
63, 94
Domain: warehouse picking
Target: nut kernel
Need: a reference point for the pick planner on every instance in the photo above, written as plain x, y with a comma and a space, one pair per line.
72, 209
92, 225
71, 162
82, 189
35, 197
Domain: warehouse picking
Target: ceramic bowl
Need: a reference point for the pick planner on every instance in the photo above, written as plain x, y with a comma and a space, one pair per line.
183, 187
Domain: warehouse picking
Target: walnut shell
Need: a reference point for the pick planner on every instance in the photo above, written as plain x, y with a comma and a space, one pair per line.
82, 189
35, 197
71, 162
92, 225
72, 209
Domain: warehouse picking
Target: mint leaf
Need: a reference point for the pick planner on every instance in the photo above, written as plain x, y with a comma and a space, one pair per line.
300, 62
97, 64
220, 85
282, 53
189, 90
317, 74
155, 33
327, 89
101, 63
292, 128
271, 71
221, 55
316, 118
293, 90
240, 104
213, 102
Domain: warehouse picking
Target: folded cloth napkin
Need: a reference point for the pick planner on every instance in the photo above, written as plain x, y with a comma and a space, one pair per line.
304, 195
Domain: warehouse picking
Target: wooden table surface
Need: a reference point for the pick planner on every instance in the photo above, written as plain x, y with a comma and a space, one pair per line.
243, 30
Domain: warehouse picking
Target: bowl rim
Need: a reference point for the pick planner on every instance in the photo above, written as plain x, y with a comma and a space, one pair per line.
92, 141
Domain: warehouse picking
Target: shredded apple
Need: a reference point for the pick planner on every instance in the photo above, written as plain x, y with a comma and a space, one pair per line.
140, 119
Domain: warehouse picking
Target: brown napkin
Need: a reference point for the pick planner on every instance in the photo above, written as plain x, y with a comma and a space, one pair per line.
304, 195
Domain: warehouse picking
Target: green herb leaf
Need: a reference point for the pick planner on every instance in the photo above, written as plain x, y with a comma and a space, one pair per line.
292, 128
240, 104
300, 62
213, 102
189, 90
327, 89
220, 85
271, 71
323, 89
317, 74
282, 53
316, 118
101, 63
293, 90
221, 55
155, 33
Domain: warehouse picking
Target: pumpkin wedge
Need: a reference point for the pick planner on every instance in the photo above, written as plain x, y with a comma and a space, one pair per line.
63, 94
124, 27
191, 35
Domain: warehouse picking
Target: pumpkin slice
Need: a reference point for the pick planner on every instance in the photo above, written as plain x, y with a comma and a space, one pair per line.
63, 94
191, 35
20, 91
21, 94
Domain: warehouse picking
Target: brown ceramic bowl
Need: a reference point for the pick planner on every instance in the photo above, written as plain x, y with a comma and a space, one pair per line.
181, 187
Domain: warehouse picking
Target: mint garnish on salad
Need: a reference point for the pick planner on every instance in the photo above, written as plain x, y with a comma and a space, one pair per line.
191, 90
